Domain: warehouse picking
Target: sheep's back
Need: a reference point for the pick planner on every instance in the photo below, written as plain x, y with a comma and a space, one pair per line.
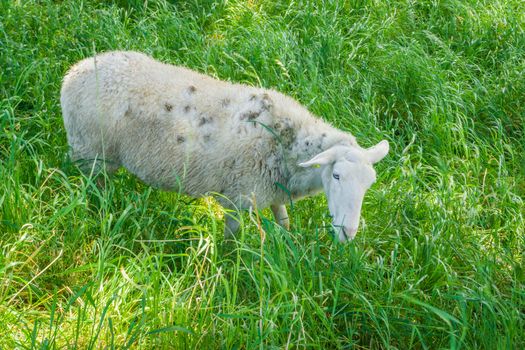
172, 127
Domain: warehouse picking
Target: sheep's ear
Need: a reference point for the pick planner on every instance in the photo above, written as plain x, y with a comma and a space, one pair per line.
377, 152
322, 158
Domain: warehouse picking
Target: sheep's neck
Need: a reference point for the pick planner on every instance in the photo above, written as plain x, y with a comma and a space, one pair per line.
301, 182
305, 182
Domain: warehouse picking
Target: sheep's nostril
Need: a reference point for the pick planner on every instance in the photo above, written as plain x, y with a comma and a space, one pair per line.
344, 233
349, 232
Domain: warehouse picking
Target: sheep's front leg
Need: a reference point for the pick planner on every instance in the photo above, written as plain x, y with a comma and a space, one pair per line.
231, 224
281, 215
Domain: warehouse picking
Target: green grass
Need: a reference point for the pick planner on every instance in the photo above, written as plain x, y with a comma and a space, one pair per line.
438, 261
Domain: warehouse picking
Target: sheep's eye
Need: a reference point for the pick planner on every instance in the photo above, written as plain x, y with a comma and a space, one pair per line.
336, 176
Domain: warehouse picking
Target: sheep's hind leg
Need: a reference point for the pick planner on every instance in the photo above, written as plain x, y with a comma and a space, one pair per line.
231, 225
92, 165
281, 215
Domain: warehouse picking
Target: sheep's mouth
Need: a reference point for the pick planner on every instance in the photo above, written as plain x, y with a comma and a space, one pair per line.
345, 234
336, 228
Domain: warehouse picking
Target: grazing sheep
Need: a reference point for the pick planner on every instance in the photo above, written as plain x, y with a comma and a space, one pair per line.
180, 130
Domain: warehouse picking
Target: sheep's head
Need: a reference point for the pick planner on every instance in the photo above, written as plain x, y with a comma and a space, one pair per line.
347, 173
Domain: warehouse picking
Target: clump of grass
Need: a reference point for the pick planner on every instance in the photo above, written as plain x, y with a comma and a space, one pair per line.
439, 259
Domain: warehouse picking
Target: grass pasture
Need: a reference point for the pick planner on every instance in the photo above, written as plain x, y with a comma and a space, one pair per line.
439, 258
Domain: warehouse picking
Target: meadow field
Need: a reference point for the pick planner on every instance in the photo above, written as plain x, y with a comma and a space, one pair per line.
439, 259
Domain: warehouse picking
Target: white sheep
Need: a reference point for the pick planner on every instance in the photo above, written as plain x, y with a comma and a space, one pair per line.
180, 130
